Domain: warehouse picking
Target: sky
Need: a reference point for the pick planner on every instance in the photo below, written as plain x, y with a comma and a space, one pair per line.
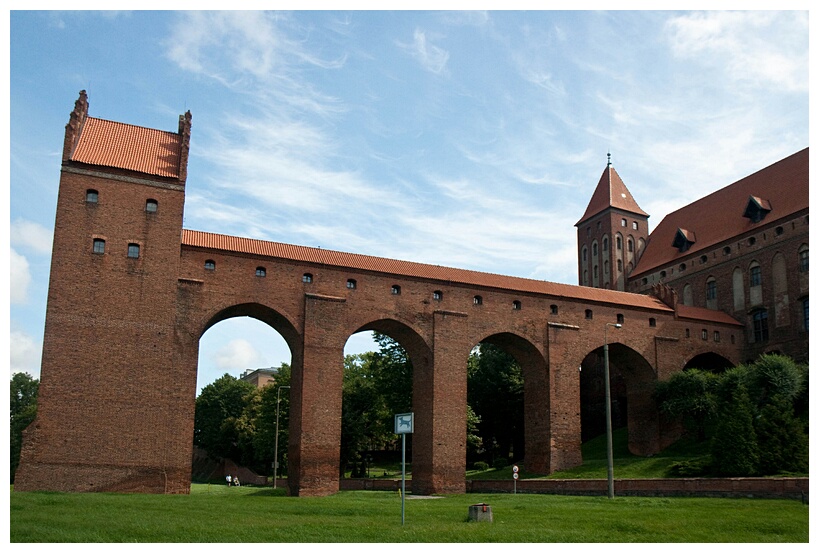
466, 139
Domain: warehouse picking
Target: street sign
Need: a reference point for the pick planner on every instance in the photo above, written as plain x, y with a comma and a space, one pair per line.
404, 423
515, 476
515, 469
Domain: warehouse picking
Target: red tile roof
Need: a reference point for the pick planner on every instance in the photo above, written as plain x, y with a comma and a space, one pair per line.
611, 191
718, 217
703, 314
122, 146
199, 239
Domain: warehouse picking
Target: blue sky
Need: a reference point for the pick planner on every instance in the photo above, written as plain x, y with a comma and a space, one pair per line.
468, 139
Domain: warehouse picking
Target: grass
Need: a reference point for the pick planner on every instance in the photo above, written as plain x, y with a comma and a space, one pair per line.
216, 513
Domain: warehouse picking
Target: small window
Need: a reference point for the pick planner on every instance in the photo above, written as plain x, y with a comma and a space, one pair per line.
605, 244
619, 265
803, 259
477, 300
598, 225
553, 309
634, 225
92, 196
662, 274
630, 245
589, 314
726, 250
704, 334
733, 339
210, 265
261, 272
516, 305
703, 259
652, 322
751, 241
619, 243
307, 278
623, 223
779, 231
682, 267
716, 336
151, 206
594, 249
133, 251
437, 295
396, 290
644, 281
351, 284
99, 245
620, 318
688, 333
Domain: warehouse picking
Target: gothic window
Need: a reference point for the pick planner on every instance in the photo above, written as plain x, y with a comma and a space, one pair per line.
630, 245
711, 289
594, 249
605, 244
755, 275
619, 243
803, 259
760, 320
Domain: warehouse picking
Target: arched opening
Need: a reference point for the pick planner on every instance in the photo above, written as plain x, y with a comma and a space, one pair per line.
633, 407
508, 399
709, 361
377, 381
243, 379
379, 377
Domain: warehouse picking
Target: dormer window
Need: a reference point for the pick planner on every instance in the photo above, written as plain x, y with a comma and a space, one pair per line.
756, 209
684, 239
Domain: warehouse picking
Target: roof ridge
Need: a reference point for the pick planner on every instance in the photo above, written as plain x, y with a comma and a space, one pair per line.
131, 125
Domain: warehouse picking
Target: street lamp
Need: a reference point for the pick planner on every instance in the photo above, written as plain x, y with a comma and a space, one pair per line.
609, 448
276, 448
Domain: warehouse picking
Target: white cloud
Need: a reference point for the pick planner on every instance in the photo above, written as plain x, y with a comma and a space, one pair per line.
238, 354
24, 354
31, 236
431, 57
764, 48
20, 277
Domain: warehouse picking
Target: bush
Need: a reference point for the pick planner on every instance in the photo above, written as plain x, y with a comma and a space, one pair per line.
500, 463
734, 447
700, 466
480, 465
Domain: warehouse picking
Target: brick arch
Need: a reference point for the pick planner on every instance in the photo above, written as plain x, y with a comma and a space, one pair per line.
709, 361
536, 397
632, 383
268, 315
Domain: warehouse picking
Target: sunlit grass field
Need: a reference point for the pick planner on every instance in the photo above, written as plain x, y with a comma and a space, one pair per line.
216, 513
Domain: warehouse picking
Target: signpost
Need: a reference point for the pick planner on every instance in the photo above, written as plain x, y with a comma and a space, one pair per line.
515, 475
404, 424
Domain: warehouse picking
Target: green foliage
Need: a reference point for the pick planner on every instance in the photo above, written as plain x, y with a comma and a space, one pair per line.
698, 466
774, 375
264, 439
220, 417
783, 444
734, 447
690, 395
23, 404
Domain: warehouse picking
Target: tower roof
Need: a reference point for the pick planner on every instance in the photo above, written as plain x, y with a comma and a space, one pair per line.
611, 192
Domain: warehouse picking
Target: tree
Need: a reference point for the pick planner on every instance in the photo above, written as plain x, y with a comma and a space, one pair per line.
690, 395
218, 420
264, 441
495, 392
734, 447
23, 404
783, 444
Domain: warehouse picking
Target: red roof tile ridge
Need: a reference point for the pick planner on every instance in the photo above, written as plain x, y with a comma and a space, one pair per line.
208, 240
120, 123
705, 314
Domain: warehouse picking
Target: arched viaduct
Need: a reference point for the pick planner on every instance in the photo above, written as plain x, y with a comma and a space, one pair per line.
122, 335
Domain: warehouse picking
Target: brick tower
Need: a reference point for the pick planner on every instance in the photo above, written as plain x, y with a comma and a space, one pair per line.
611, 235
112, 297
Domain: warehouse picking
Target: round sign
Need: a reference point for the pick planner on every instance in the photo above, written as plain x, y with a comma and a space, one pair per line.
515, 476
515, 468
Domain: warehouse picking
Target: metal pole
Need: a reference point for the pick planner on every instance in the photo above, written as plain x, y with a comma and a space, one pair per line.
403, 473
609, 447
276, 447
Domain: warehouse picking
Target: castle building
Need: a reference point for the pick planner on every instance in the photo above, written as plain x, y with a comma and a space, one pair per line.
742, 250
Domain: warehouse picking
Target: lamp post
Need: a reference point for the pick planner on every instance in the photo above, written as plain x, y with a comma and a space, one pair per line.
609, 448
276, 447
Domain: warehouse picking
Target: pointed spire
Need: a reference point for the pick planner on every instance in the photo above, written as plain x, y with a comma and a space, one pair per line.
611, 192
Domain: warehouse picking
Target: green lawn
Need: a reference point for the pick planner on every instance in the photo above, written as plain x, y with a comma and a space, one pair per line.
216, 513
